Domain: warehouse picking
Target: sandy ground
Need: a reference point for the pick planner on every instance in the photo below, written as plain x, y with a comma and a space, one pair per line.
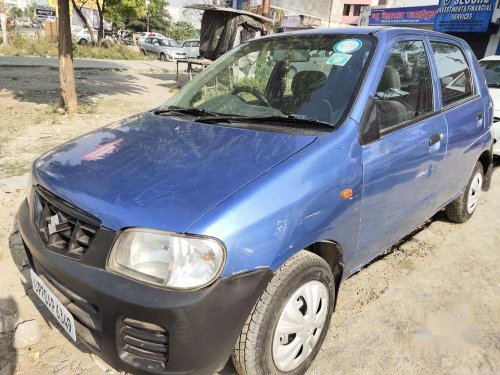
429, 306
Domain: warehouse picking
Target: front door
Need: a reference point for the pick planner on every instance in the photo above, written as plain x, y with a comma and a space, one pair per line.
401, 168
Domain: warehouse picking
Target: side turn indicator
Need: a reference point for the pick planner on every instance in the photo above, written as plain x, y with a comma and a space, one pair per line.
346, 194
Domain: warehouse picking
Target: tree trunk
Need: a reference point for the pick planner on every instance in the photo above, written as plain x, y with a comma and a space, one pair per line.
85, 21
101, 9
66, 72
3, 21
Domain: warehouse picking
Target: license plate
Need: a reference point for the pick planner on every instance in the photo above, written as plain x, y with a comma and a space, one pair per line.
61, 313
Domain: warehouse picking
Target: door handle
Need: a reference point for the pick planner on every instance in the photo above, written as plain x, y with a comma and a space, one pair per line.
436, 138
479, 120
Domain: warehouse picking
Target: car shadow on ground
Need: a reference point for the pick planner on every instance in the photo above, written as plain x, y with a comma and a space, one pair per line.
26, 85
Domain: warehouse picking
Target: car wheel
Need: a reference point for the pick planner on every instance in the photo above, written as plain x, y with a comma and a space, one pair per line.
163, 57
143, 52
289, 322
462, 208
83, 42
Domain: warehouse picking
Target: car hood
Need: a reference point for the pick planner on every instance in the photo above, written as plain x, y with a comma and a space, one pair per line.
160, 172
173, 49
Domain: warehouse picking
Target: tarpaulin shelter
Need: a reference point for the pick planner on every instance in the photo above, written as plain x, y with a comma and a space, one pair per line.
224, 28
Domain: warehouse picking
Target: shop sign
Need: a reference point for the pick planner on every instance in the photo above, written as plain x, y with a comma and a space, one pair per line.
424, 15
464, 16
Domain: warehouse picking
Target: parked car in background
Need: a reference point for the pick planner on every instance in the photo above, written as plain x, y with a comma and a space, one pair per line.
164, 48
83, 37
223, 222
192, 48
144, 35
491, 68
25, 22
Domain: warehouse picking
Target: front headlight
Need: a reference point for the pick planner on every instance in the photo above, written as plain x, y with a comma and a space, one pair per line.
167, 260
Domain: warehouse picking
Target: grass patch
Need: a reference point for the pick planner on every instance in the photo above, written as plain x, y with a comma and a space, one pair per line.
20, 45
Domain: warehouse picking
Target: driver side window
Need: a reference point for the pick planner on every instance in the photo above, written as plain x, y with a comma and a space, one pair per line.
405, 89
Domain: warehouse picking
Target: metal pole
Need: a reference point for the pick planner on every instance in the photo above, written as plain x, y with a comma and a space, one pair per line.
265, 7
147, 15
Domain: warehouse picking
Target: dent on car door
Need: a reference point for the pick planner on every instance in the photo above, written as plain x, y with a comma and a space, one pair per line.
401, 165
463, 111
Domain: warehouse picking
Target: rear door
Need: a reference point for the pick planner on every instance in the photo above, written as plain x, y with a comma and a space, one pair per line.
463, 110
188, 49
401, 167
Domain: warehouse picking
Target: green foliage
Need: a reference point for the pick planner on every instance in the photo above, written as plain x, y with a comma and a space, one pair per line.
159, 19
259, 82
20, 45
15, 12
182, 30
111, 51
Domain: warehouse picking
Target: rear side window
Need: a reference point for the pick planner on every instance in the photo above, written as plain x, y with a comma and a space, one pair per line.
454, 73
405, 89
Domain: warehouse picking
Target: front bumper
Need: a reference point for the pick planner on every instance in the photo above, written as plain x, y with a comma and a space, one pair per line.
201, 326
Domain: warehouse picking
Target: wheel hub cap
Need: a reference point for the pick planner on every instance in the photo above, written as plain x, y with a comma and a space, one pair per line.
300, 325
474, 192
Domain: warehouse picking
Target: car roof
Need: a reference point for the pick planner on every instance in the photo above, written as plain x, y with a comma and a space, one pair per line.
383, 32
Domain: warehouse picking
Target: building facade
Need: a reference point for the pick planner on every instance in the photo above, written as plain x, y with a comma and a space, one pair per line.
475, 21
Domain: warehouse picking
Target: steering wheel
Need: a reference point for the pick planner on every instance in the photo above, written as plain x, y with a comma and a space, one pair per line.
251, 90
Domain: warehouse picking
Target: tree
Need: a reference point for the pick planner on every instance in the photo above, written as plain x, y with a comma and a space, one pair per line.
15, 12
182, 30
66, 71
160, 20
84, 19
101, 8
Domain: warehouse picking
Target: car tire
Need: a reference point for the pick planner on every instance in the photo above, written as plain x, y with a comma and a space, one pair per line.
143, 52
163, 57
260, 350
462, 208
83, 42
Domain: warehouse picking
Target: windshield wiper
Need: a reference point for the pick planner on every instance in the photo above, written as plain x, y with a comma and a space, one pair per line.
290, 120
188, 111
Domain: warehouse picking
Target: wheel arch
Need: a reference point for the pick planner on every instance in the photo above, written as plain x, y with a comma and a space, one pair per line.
486, 160
332, 253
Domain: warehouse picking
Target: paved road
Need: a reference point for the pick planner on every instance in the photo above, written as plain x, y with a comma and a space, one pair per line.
137, 66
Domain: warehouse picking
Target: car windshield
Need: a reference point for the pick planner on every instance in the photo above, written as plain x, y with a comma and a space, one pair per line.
491, 70
168, 43
309, 77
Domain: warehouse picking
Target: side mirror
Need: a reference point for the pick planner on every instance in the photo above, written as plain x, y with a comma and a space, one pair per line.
369, 127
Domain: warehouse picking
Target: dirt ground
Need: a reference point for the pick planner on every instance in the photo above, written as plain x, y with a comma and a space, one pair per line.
429, 306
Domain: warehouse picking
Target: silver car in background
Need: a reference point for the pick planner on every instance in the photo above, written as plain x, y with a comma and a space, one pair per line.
164, 48
192, 48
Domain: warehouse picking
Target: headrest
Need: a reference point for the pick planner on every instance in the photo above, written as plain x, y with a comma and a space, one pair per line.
306, 82
390, 79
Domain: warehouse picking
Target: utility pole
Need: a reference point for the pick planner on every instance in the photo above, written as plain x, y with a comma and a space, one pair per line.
147, 15
265, 7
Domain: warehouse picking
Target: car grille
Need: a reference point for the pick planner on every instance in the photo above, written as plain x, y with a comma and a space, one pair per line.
63, 228
87, 315
143, 344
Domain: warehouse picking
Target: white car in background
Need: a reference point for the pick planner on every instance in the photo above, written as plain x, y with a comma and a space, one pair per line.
82, 37
144, 35
491, 69
192, 48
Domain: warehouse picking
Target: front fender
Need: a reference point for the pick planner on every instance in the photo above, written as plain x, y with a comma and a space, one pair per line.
293, 205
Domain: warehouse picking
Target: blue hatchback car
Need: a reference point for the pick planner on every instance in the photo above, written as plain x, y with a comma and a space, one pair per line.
223, 222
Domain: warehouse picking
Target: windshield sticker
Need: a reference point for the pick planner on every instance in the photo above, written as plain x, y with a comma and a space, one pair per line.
348, 46
339, 59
